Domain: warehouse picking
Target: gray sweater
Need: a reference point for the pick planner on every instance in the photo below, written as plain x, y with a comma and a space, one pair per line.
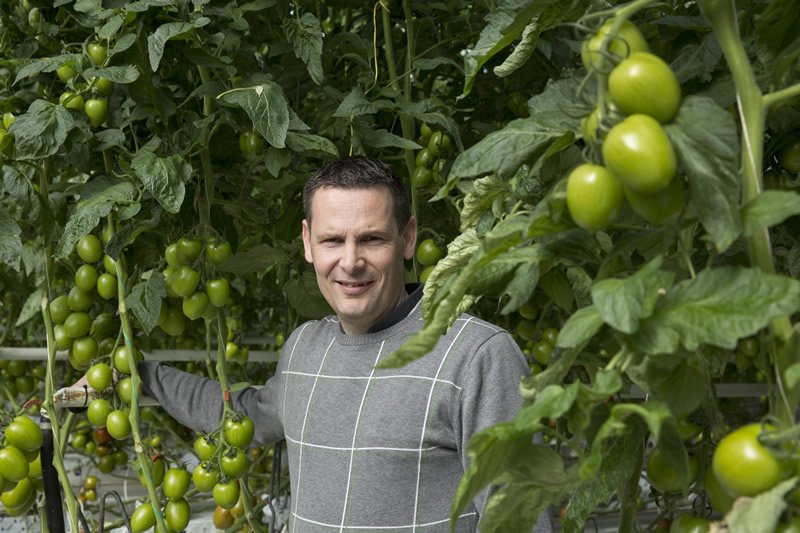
369, 450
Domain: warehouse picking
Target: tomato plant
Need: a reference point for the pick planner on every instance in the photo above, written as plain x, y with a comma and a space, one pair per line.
428, 253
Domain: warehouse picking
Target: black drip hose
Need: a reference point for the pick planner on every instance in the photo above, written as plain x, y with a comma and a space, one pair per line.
52, 488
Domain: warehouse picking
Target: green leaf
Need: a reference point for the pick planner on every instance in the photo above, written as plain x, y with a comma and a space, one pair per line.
124, 42
776, 32
556, 286
423, 110
355, 104
555, 373
108, 138
41, 131
100, 195
458, 255
10, 241
312, 145
485, 191
239, 386
718, 307
622, 302
552, 402
110, 28
267, 108
619, 462
50, 64
17, 181
158, 39
305, 36
164, 177
31, 307
791, 376
769, 208
306, 298
436, 62
145, 300
254, 259
707, 145
120, 74
383, 139
580, 327
763, 512
697, 60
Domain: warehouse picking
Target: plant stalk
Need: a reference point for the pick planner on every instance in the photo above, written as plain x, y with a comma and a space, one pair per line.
629, 495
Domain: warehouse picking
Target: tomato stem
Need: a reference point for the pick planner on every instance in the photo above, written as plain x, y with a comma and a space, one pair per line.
778, 97
629, 494
751, 103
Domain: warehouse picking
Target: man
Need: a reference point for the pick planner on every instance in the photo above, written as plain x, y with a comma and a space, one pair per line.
368, 449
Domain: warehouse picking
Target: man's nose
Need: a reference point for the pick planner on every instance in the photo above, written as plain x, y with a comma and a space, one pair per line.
352, 259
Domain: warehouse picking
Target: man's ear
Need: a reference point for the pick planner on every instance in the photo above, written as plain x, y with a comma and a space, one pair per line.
410, 238
307, 241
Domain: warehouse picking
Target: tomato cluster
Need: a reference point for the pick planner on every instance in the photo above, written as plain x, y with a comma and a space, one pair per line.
95, 104
22, 377
431, 158
428, 254
20, 465
638, 161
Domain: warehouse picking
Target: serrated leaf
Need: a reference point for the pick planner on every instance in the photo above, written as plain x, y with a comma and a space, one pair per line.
622, 302
41, 131
484, 192
697, 60
45, 65
619, 462
718, 307
31, 307
763, 512
100, 195
164, 177
514, 273
108, 138
17, 182
145, 300
120, 74
305, 36
312, 145
305, 297
267, 108
110, 28
555, 373
458, 255
384, 139
769, 208
158, 39
552, 402
10, 241
124, 42
556, 286
580, 327
705, 139
355, 104
254, 259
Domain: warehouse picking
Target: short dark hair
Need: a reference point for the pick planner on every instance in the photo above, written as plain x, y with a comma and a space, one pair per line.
360, 172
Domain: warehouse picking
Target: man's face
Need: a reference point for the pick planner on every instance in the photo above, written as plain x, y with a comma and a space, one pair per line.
358, 252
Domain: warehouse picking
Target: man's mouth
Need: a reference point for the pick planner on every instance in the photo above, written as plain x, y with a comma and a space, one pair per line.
354, 284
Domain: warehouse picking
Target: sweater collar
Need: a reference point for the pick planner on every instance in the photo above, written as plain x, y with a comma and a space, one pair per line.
394, 318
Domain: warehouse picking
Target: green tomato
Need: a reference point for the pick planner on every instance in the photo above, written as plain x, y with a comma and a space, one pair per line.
84, 349
644, 83
687, 523
13, 464
176, 483
661, 207
218, 251
125, 390
425, 130
86, 277
63, 340
219, 291
749, 346
19, 496
720, 500
157, 470
143, 518
743, 466
64, 73
234, 463
550, 336
789, 156
173, 258
421, 177
663, 477
589, 125
23, 433
177, 514
543, 352
106, 464
80, 300
106, 286
638, 153
77, 324
185, 281
103, 86
89, 248
97, 52
174, 322
627, 41
97, 111
195, 305
121, 359
118, 424
594, 196
204, 477
205, 448
251, 142
525, 329
226, 494
428, 253
71, 101
424, 158
239, 432
425, 274
98, 412
188, 250
59, 309
435, 143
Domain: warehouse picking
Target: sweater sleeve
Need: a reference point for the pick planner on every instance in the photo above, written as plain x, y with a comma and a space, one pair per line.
196, 402
489, 396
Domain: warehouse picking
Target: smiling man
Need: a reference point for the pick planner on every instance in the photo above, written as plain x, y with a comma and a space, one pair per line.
368, 450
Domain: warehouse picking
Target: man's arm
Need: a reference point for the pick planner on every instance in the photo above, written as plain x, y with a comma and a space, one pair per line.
490, 395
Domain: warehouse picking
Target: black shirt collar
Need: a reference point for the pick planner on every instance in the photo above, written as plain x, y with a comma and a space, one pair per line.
397, 314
